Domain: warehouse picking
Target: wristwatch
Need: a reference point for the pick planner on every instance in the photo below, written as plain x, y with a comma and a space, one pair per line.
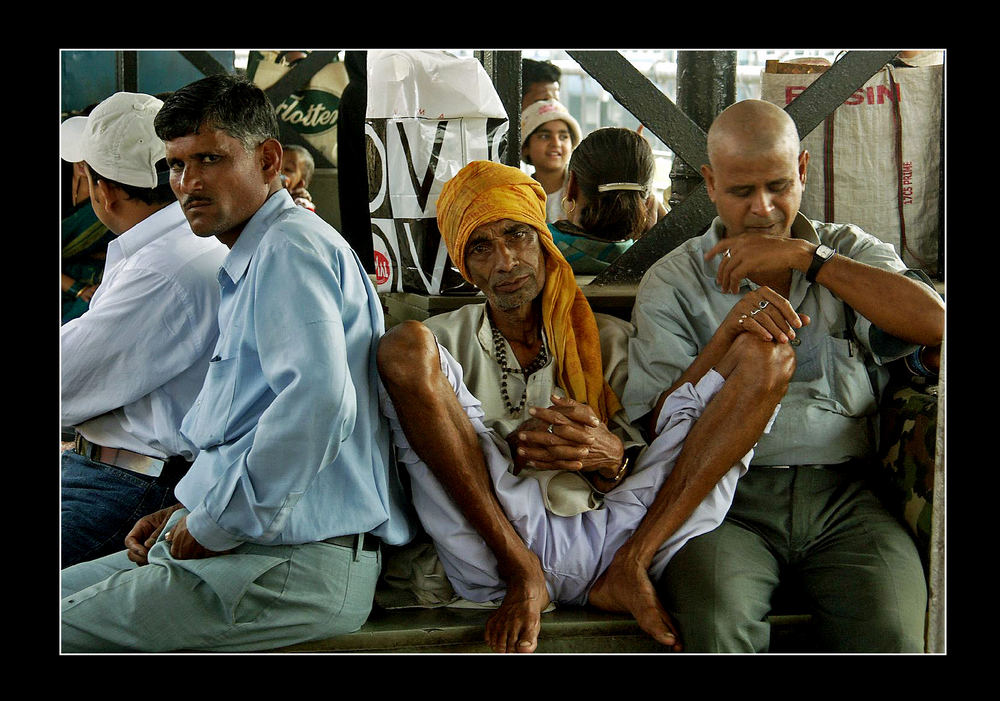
821, 255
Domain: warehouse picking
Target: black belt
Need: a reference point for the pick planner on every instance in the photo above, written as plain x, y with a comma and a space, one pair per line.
368, 541
129, 460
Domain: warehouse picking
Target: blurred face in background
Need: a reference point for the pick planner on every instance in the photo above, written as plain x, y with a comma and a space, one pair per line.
291, 168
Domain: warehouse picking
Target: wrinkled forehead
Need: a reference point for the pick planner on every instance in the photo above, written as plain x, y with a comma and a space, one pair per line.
498, 229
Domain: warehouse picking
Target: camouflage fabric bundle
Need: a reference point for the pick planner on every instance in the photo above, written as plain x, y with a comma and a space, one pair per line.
909, 437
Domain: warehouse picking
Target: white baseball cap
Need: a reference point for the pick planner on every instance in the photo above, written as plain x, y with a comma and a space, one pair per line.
117, 139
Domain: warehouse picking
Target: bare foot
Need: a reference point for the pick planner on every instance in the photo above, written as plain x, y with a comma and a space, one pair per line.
626, 588
516, 624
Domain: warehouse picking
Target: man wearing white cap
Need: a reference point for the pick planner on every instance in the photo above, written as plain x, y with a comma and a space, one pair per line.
132, 365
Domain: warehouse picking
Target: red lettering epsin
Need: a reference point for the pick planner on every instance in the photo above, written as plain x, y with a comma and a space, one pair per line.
793, 91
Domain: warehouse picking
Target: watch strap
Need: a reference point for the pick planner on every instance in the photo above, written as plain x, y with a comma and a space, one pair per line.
817, 263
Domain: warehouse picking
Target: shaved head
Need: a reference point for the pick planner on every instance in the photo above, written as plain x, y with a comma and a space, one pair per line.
752, 127
756, 171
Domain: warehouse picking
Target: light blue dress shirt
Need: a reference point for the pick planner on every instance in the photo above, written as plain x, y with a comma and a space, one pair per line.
293, 446
828, 415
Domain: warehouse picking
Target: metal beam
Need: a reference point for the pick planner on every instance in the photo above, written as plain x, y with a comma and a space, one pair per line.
834, 86
504, 69
646, 102
127, 71
706, 85
204, 62
695, 214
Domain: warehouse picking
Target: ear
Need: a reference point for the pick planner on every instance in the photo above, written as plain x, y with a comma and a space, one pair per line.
803, 165
270, 159
706, 172
107, 195
572, 187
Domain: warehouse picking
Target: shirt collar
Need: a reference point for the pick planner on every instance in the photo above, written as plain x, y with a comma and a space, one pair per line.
485, 334
145, 232
236, 263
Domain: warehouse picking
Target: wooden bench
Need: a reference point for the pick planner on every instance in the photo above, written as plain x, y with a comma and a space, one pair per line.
564, 630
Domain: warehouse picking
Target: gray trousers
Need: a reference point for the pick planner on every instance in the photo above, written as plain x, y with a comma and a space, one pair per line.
820, 527
255, 598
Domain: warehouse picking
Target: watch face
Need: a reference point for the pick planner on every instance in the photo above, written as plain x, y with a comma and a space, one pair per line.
824, 251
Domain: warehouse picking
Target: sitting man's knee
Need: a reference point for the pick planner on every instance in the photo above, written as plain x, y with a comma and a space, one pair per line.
404, 350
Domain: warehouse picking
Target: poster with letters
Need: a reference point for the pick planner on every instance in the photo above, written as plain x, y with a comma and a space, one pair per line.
429, 114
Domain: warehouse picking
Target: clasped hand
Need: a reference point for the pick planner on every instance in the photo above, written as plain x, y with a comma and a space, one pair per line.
763, 311
579, 440
146, 530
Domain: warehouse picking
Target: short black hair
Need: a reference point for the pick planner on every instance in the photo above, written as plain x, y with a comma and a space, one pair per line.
533, 71
223, 101
160, 194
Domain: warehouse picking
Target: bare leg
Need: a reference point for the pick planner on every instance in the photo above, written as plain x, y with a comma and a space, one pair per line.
410, 368
757, 374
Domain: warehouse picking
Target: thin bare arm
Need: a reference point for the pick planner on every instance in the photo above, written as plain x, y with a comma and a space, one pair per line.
409, 366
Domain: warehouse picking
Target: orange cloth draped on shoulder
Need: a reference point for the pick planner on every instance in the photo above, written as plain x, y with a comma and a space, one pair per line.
483, 192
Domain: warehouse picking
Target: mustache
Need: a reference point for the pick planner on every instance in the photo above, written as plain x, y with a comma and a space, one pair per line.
514, 274
764, 223
193, 200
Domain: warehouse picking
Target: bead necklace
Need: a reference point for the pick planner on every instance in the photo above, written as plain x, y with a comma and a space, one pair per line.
501, 355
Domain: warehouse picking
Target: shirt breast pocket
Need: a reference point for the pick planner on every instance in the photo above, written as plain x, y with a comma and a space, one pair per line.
209, 418
835, 372
850, 385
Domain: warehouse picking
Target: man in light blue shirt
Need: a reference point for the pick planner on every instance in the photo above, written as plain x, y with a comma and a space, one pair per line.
275, 540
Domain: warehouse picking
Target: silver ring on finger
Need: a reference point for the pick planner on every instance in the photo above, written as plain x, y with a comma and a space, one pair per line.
742, 318
551, 428
762, 304
755, 312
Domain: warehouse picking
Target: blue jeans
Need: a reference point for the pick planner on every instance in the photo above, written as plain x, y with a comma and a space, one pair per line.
101, 503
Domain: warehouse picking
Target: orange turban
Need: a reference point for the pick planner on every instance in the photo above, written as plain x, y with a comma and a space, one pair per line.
484, 192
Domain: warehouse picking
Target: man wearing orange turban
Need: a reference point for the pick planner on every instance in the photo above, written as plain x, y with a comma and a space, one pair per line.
486, 192
524, 469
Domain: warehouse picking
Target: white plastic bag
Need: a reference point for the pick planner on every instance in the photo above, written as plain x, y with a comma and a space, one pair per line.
428, 114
